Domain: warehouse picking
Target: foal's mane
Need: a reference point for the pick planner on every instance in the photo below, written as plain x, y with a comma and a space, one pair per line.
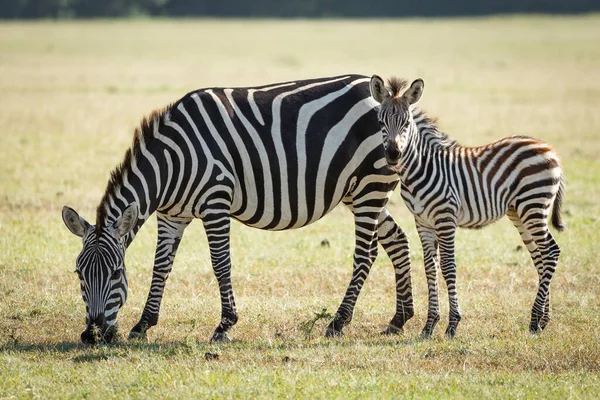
144, 133
431, 134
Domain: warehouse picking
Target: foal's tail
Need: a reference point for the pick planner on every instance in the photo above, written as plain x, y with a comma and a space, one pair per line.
557, 221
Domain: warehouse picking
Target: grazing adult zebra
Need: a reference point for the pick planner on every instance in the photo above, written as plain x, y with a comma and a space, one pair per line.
273, 157
446, 186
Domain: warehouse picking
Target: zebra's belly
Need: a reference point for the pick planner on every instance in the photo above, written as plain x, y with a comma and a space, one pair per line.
286, 221
472, 218
278, 211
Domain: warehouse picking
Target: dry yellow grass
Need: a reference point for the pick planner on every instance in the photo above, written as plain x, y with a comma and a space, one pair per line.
71, 94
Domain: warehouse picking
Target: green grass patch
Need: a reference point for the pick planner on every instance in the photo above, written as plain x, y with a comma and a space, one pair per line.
71, 94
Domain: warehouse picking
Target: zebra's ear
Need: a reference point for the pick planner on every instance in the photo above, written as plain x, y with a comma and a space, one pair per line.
414, 92
378, 89
125, 223
76, 224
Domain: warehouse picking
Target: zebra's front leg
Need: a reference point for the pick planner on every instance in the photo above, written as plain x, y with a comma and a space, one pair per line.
430, 246
446, 231
395, 243
217, 227
170, 232
366, 239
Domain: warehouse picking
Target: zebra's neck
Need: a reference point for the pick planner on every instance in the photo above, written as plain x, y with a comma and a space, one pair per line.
137, 179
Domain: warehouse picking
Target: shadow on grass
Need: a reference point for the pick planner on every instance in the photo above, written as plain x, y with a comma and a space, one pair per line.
82, 353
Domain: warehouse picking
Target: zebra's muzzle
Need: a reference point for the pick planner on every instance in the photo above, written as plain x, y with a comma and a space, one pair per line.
98, 332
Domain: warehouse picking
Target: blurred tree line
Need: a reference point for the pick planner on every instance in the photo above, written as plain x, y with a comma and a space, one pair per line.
283, 8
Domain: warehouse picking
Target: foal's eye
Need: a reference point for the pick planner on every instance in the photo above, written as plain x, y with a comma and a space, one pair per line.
116, 274
381, 125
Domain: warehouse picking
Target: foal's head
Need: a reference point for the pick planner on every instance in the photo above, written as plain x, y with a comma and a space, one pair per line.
395, 116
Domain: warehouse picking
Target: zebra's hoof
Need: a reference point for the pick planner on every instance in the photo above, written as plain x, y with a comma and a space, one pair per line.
392, 330
427, 333
137, 336
450, 332
220, 337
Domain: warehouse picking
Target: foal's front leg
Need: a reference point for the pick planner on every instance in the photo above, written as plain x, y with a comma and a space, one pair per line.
446, 231
430, 245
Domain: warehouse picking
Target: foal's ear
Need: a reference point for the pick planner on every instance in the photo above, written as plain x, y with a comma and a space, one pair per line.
127, 221
414, 92
378, 89
76, 224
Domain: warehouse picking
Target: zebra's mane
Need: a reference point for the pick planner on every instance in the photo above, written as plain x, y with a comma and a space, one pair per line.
397, 85
143, 133
430, 133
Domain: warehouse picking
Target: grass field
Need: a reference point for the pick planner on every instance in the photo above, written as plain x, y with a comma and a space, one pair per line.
71, 94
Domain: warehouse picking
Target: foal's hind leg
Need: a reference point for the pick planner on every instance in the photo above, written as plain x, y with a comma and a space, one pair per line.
536, 257
535, 221
395, 243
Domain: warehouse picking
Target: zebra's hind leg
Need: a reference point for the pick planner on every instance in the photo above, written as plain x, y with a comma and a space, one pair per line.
217, 227
366, 240
430, 246
536, 224
536, 257
170, 232
395, 243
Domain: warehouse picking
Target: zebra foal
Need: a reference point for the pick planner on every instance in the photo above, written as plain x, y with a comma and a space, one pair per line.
273, 157
446, 185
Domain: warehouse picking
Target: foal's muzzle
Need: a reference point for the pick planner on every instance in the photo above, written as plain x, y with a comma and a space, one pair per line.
392, 155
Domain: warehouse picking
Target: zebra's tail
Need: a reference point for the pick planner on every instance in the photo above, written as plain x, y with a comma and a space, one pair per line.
557, 221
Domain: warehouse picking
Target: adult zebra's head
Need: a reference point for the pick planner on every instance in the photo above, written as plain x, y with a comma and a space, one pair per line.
101, 270
395, 116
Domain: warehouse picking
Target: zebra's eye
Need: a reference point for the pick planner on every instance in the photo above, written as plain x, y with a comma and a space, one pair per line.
381, 124
116, 274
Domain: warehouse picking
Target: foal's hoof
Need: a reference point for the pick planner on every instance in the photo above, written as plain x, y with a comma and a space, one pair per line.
220, 337
544, 322
535, 330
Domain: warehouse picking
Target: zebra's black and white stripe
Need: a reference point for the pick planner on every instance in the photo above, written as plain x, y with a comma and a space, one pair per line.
446, 186
273, 157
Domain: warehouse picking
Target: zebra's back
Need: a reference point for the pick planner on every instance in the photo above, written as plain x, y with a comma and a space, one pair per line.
287, 153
